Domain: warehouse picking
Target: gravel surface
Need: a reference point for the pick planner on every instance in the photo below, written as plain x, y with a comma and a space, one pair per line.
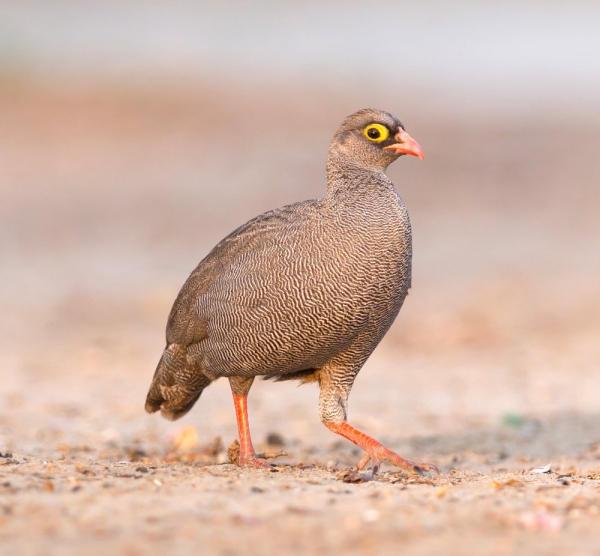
110, 198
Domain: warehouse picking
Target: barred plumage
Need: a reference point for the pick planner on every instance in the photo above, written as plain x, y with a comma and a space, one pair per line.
303, 292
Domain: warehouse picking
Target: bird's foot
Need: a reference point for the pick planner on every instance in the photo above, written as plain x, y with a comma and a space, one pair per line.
379, 453
253, 461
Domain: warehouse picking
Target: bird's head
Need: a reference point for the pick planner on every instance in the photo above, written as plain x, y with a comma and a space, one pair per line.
373, 139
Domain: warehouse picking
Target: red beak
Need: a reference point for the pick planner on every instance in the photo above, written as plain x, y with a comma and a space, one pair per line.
405, 145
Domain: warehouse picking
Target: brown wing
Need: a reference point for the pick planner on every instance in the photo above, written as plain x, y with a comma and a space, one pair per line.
184, 325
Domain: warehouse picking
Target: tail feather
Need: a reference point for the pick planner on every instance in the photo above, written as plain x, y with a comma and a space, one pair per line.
176, 385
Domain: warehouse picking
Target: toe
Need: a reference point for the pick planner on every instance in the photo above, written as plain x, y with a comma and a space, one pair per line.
363, 462
255, 462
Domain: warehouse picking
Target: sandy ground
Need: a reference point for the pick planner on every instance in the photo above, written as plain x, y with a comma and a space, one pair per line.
111, 197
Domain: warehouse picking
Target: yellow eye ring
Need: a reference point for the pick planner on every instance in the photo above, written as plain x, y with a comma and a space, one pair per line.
376, 133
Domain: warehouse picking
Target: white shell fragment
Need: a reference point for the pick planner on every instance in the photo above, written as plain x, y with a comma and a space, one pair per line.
545, 469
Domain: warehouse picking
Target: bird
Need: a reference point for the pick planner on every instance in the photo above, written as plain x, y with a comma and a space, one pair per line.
303, 292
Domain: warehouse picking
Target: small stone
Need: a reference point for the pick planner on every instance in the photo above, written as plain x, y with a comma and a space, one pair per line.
84, 469
351, 476
441, 491
275, 439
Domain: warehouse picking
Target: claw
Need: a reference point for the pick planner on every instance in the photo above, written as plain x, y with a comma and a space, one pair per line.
427, 467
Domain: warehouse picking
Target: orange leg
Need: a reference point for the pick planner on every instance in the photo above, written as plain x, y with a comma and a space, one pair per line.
247, 453
377, 452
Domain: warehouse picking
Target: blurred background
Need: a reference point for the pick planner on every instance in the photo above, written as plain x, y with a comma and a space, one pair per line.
135, 135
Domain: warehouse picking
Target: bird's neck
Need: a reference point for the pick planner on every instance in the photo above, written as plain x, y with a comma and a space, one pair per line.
346, 179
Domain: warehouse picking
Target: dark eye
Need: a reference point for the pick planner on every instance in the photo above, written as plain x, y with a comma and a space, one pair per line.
374, 133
